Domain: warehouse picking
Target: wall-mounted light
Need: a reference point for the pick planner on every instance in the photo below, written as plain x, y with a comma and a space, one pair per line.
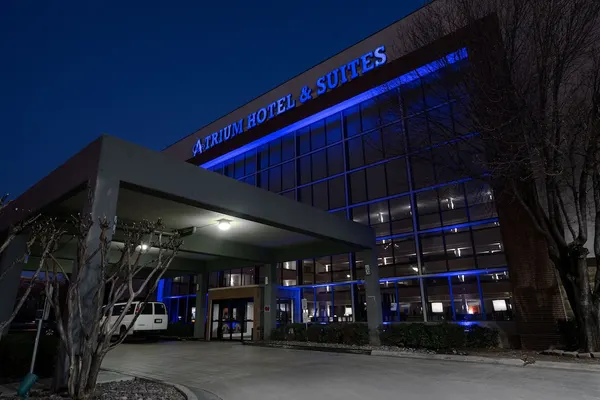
224, 224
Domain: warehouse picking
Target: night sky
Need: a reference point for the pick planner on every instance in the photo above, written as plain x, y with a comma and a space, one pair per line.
152, 71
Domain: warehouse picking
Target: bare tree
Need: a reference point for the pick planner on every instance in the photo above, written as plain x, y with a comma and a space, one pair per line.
529, 103
42, 233
86, 320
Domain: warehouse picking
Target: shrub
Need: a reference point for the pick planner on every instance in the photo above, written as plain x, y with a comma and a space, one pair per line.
437, 337
16, 350
295, 332
346, 333
355, 334
315, 333
481, 337
333, 333
278, 334
180, 329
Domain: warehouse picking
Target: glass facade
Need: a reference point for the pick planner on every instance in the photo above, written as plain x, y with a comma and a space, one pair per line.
394, 162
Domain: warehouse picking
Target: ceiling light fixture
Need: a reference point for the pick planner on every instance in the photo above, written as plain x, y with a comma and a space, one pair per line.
224, 224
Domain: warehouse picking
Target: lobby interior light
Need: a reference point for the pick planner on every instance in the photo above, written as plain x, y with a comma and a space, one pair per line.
224, 224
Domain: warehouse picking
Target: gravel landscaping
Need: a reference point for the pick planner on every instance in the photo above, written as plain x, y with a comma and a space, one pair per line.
137, 389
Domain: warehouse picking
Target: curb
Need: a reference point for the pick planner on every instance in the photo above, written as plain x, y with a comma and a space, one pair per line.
339, 350
180, 388
487, 360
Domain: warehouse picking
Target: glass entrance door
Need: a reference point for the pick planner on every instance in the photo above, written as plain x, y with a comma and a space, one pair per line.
232, 319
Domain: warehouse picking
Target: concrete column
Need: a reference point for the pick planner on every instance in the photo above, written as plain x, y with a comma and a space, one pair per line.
105, 192
201, 291
9, 285
373, 292
270, 300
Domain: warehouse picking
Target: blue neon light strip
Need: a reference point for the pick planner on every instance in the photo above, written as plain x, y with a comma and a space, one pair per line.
394, 83
403, 278
160, 290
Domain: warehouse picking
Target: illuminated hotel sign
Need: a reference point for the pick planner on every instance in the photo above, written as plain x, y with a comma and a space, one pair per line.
330, 81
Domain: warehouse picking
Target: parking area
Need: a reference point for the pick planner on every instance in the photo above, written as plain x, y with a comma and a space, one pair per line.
231, 371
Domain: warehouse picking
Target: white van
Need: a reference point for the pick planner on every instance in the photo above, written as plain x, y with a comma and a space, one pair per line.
153, 319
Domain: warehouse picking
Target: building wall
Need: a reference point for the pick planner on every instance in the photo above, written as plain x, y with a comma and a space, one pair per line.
441, 252
391, 37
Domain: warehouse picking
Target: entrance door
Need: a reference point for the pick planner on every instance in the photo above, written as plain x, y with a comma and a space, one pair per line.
232, 319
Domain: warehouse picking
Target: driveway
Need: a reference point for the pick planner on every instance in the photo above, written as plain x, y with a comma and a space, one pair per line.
236, 372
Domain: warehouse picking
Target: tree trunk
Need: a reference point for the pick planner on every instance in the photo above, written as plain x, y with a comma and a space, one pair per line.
586, 310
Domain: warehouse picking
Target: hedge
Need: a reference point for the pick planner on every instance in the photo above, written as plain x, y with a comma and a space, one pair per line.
16, 350
180, 329
437, 337
348, 333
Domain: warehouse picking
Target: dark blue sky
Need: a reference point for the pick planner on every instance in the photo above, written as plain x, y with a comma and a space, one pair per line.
152, 71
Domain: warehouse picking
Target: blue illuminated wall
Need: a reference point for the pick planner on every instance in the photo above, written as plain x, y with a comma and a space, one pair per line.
394, 158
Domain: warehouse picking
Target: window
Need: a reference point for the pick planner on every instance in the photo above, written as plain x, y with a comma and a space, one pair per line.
303, 139
440, 124
393, 140
251, 161
355, 153
317, 135
467, 304
335, 160
401, 215
397, 180
308, 271
417, 133
305, 195
459, 249
147, 310
369, 114
380, 218
337, 192
319, 165
373, 147
361, 215
489, 247
497, 296
412, 97
333, 126
263, 156
422, 170
275, 179
263, 182
352, 121
438, 299
433, 253
389, 106
288, 175
275, 152
228, 169
159, 309
452, 204
304, 168
428, 210
481, 200
376, 182
320, 195
405, 254
238, 165
287, 147
358, 189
